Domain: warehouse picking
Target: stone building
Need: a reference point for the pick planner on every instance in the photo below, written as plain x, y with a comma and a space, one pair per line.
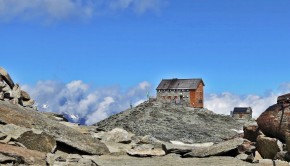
242, 113
183, 91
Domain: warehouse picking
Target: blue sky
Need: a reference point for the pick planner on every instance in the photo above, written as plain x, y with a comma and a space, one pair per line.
241, 47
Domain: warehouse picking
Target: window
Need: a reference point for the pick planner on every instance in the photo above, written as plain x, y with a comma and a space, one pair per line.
200, 101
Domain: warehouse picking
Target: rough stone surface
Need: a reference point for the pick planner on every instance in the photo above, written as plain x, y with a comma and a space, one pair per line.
247, 147
245, 157
13, 114
182, 149
6, 77
12, 130
148, 150
117, 135
257, 157
168, 160
268, 147
30, 157
175, 123
288, 142
7, 159
69, 160
268, 162
25, 96
274, 123
218, 149
118, 148
251, 131
40, 142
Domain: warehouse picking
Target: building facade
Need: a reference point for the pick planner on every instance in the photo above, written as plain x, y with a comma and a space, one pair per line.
242, 113
188, 91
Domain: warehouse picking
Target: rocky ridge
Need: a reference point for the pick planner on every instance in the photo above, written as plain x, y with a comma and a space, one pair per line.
174, 123
157, 134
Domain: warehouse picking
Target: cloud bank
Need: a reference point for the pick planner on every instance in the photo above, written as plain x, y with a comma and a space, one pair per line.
77, 98
56, 10
93, 105
225, 102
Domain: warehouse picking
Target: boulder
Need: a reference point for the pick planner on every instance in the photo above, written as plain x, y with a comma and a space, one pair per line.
228, 147
268, 147
26, 156
257, 157
6, 77
118, 148
29, 118
25, 96
287, 142
245, 157
31, 139
118, 135
41, 142
274, 121
7, 159
12, 130
247, 147
251, 131
99, 135
268, 162
181, 148
71, 160
148, 150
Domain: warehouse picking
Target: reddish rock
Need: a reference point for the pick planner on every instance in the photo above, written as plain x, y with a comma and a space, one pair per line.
29, 157
275, 122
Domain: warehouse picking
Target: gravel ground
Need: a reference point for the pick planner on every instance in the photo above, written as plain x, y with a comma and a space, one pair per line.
169, 160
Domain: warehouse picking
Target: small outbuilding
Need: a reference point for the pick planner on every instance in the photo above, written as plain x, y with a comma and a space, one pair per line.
242, 113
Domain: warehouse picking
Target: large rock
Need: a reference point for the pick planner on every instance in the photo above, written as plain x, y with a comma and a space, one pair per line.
274, 121
29, 157
172, 123
118, 135
268, 147
268, 162
71, 160
29, 118
6, 77
148, 150
41, 142
31, 139
226, 147
251, 131
7, 159
181, 148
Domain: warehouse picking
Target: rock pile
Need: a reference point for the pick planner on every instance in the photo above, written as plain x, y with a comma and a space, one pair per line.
12, 92
174, 123
30, 137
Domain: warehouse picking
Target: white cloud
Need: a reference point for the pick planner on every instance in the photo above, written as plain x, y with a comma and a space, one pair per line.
55, 10
101, 112
139, 6
79, 99
225, 102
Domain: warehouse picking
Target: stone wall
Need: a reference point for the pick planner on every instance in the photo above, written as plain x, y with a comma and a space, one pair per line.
242, 116
192, 98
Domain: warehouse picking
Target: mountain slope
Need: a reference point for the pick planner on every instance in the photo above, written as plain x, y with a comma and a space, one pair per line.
173, 123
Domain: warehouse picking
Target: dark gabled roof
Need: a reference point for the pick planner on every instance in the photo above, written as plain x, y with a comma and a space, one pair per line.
167, 84
242, 110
